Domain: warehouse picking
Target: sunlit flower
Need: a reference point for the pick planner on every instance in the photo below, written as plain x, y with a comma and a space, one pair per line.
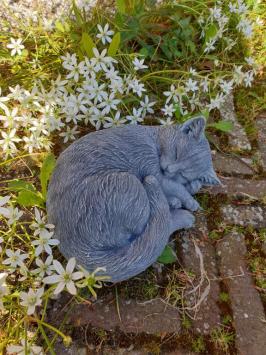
168, 110
3, 210
209, 46
136, 86
104, 33
15, 46
138, 64
15, 258
146, 105
3, 288
100, 60
69, 134
226, 86
69, 61
43, 267
109, 103
23, 349
114, 121
31, 299
248, 79
245, 26
64, 277
216, 102
13, 214
44, 243
9, 140
191, 85
40, 226
136, 117
167, 121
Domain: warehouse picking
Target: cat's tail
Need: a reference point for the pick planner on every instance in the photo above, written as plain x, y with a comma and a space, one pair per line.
129, 260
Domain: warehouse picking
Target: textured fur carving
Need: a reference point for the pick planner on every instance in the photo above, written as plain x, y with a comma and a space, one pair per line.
116, 195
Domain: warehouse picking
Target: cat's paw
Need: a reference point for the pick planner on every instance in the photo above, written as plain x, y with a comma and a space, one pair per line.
174, 202
192, 205
188, 221
194, 187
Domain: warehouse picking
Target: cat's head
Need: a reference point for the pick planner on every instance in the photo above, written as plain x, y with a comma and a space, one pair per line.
186, 153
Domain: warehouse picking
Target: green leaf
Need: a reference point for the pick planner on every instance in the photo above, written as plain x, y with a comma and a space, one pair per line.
168, 256
210, 31
114, 45
225, 126
121, 6
18, 185
30, 198
59, 26
77, 13
177, 111
46, 171
87, 44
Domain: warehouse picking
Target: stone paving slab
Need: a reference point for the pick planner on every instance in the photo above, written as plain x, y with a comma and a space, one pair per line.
233, 186
261, 127
248, 312
151, 317
237, 138
245, 215
208, 314
231, 165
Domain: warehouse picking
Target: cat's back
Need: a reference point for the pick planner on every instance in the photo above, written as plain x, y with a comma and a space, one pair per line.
125, 148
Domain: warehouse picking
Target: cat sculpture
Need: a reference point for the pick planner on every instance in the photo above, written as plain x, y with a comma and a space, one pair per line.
116, 195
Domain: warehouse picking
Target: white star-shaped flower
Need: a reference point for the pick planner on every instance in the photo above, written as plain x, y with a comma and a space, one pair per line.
104, 33
15, 46
31, 299
15, 258
64, 277
44, 243
138, 64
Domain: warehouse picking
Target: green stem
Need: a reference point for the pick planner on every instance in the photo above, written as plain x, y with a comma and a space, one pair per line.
49, 326
49, 345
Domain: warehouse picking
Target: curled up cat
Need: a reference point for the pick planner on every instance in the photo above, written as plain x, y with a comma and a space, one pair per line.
117, 195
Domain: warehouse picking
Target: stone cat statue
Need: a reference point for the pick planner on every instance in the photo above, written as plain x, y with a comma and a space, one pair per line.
117, 195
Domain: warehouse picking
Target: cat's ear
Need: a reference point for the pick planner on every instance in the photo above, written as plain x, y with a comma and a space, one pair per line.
194, 127
211, 178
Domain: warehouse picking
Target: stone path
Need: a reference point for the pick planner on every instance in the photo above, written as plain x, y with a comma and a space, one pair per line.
216, 267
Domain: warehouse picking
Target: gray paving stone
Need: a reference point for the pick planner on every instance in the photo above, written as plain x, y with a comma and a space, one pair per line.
261, 127
151, 317
248, 312
234, 186
230, 165
208, 314
245, 215
237, 138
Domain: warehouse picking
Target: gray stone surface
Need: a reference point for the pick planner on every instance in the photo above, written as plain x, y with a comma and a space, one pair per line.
234, 186
151, 317
248, 313
208, 314
245, 215
261, 127
237, 138
230, 165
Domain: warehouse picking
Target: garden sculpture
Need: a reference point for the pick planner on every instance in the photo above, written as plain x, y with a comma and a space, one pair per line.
116, 195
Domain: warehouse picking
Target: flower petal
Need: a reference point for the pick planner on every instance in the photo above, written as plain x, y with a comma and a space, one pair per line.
59, 288
71, 288
71, 265
58, 267
53, 279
